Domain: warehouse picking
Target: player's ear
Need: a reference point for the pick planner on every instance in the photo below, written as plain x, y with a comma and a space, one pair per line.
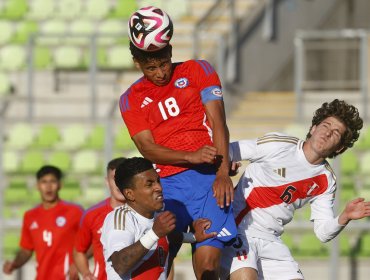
129, 194
137, 64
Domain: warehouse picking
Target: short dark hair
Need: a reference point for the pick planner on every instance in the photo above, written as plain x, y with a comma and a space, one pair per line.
346, 113
113, 164
49, 169
128, 169
145, 56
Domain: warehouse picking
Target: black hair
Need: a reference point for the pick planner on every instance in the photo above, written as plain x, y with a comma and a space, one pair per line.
347, 114
145, 56
113, 164
49, 169
126, 171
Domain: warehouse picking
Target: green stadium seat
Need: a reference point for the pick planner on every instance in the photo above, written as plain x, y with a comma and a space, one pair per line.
158, 3
347, 195
81, 27
113, 29
296, 130
12, 58
309, 245
119, 57
344, 244
41, 9
72, 137
364, 140
16, 192
70, 190
289, 242
10, 162
123, 9
6, 31
349, 163
123, 141
10, 243
5, 85
365, 163
68, 57
42, 58
101, 55
20, 136
52, 27
176, 8
23, 32
32, 161
96, 9
95, 191
86, 162
14, 9
365, 193
47, 136
68, 9
365, 245
61, 159
96, 138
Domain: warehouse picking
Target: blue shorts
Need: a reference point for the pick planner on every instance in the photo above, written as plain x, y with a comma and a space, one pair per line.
189, 195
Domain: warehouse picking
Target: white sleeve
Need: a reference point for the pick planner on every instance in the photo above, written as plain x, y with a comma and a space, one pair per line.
116, 239
242, 150
326, 230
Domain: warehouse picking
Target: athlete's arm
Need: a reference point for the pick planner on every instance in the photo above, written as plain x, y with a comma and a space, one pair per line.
124, 260
21, 258
222, 187
82, 264
144, 141
356, 209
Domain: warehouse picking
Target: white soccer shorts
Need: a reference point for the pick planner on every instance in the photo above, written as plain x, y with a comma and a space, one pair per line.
272, 259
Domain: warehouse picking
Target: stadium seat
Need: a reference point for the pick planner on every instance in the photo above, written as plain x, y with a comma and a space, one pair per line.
61, 159
123, 141
81, 27
96, 9
176, 8
70, 190
289, 242
67, 57
123, 9
52, 27
41, 9
16, 191
349, 163
364, 140
119, 57
10, 162
72, 137
12, 58
20, 136
365, 245
31, 162
10, 243
365, 163
110, 30
47, 136
296, 130
6, 31
23, 32
14, 9
344, 244
347, 195
309, 245
42, 58
5, 85
86, 162
68, 9
96, 138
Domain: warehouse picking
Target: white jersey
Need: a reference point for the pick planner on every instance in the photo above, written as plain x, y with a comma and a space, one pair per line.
278, 180
123, 227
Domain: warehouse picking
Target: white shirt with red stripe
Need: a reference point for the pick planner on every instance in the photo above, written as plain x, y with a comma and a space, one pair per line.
123, 227
279, 180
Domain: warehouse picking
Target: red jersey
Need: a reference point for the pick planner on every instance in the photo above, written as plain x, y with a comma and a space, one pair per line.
51, 233
174, 113
90, 232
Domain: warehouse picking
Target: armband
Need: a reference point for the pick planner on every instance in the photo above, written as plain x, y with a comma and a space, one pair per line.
188, 237
149, 239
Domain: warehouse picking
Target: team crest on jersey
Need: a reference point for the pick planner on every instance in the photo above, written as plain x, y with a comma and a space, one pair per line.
217, 92
181, 83
61, 221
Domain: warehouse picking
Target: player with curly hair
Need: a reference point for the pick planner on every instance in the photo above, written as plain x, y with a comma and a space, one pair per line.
284, 174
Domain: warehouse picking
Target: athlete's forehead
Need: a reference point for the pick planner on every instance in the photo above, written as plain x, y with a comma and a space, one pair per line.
154, 61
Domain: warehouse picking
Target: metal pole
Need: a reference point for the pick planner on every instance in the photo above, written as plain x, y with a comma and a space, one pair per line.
30, 77
93, 77
364, 71
1, 185
298, 73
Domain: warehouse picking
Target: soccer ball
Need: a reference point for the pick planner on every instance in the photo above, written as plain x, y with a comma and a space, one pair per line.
150, 29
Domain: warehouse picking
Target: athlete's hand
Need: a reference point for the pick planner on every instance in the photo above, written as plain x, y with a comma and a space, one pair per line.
234, 168
8, 267
200, 226
73, 273
355, 209
164, 223
205, 154
89, 276
223, 190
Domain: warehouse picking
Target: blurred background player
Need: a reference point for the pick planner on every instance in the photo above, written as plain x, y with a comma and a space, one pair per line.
90, 228
49, 229
135, 238
284, 174
175, 115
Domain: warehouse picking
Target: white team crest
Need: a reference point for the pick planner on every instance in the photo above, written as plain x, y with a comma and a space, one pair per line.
181, 83
61, 221
34, 225
217, 92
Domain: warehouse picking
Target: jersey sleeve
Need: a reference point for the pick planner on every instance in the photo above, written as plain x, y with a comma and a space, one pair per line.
208, 81
84, 235
131, 114
322, 205
243, 150
26, 238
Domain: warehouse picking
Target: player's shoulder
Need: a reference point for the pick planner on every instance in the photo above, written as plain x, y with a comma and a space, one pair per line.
97, 209
32, 211
277, 139
119, 217
72, 206
199, 65
126, 97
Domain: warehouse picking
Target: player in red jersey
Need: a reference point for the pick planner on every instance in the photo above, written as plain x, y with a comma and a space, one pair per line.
49, 229
175, 115
90, 228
